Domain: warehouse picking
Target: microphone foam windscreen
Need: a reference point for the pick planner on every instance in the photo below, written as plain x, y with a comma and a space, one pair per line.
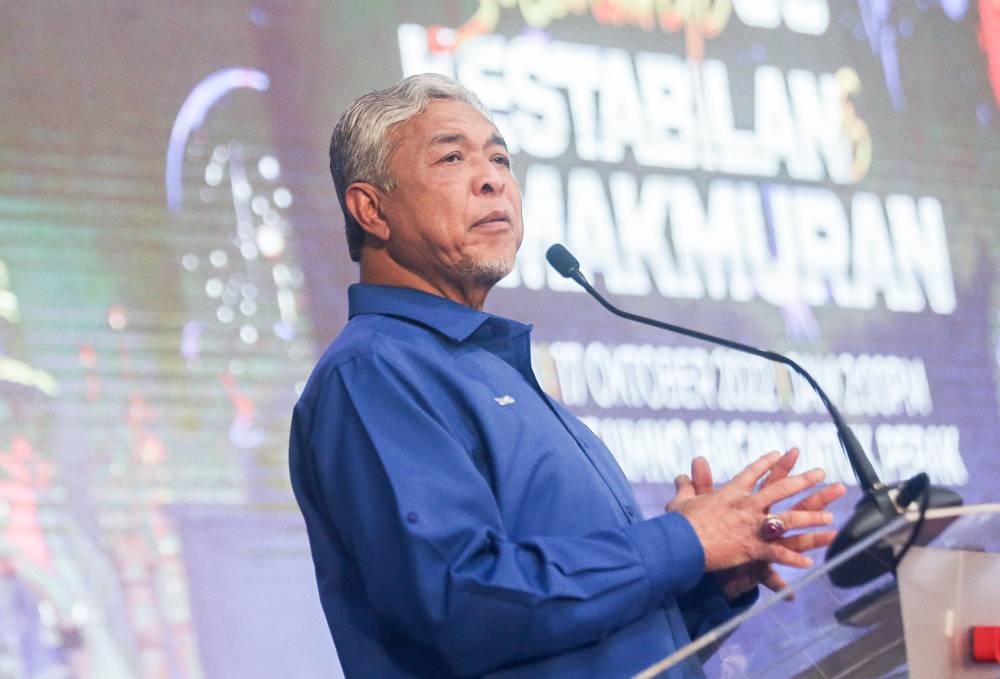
562, 260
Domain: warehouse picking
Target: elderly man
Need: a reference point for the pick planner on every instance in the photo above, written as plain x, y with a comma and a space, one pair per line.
463, 523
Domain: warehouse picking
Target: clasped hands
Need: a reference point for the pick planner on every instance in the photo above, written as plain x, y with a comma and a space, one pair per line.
728, 519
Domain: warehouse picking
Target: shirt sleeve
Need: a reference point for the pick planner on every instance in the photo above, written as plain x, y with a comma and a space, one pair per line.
403, 493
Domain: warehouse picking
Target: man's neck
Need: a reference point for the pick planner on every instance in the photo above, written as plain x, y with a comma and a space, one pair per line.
377, 268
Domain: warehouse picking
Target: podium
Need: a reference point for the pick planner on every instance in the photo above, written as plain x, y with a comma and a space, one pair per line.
918, 624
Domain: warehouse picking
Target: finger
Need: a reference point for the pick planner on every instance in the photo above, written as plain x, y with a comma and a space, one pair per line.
748, 478
772, 580
685, 488
777, 553
803, 542
822, 497
701, 476
781, 470
783, 467
785, 488
794, 520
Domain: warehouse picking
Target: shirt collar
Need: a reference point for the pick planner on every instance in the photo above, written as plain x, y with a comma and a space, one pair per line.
451, 319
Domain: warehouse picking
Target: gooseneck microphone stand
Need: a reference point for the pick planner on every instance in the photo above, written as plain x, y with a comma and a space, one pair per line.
880, 503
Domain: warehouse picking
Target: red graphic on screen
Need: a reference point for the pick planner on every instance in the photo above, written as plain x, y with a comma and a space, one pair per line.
22, 478
243, 432
989, 39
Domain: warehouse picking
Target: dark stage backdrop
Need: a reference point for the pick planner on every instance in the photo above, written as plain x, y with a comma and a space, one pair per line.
813, 176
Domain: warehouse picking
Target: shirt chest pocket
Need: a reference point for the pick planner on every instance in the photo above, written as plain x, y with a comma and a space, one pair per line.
539, 462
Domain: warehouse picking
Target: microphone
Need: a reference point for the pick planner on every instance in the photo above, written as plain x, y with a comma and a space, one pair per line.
880, 503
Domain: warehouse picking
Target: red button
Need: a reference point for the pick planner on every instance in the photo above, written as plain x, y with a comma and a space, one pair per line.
986, 644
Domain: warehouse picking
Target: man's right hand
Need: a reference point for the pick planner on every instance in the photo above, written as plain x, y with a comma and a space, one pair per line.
728, 520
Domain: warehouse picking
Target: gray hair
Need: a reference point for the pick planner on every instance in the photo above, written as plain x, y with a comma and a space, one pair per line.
360, 146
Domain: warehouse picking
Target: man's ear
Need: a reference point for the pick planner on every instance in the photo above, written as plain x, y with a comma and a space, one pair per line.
365, 204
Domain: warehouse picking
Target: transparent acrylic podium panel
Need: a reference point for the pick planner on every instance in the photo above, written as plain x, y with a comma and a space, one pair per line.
828, 632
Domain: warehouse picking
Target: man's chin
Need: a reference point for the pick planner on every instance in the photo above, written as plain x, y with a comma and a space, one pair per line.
487, 272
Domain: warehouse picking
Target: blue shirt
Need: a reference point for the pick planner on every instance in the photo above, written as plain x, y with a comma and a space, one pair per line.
462, 523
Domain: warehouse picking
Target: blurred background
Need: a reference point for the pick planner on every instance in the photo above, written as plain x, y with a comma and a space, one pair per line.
814, 176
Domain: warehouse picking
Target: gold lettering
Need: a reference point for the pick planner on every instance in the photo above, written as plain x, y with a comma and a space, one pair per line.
700, 19
853, 127
541, 13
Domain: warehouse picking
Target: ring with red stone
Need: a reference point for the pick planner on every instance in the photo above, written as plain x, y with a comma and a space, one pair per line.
772, 527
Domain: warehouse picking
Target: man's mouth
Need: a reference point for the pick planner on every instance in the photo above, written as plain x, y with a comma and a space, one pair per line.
497, 218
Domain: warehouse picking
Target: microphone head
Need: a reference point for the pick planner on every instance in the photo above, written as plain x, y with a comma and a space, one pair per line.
562, 260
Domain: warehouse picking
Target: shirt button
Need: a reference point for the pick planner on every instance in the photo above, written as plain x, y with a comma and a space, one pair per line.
412, 517
629, 512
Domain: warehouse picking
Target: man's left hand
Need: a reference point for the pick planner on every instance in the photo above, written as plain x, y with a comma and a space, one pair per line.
741, 579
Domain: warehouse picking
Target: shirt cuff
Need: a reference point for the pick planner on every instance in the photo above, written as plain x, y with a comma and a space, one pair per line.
671, 552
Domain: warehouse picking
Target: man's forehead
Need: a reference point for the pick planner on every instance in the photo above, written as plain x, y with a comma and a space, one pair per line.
450, 121
455, 137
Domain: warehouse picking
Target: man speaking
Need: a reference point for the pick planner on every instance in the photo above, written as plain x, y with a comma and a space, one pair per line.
463, 523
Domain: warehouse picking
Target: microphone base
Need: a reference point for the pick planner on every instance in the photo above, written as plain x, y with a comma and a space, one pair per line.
875, 510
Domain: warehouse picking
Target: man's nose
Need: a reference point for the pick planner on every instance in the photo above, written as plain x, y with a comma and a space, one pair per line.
489, 177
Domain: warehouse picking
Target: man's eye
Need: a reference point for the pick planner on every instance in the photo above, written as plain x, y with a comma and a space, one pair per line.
502, 160
452, 158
